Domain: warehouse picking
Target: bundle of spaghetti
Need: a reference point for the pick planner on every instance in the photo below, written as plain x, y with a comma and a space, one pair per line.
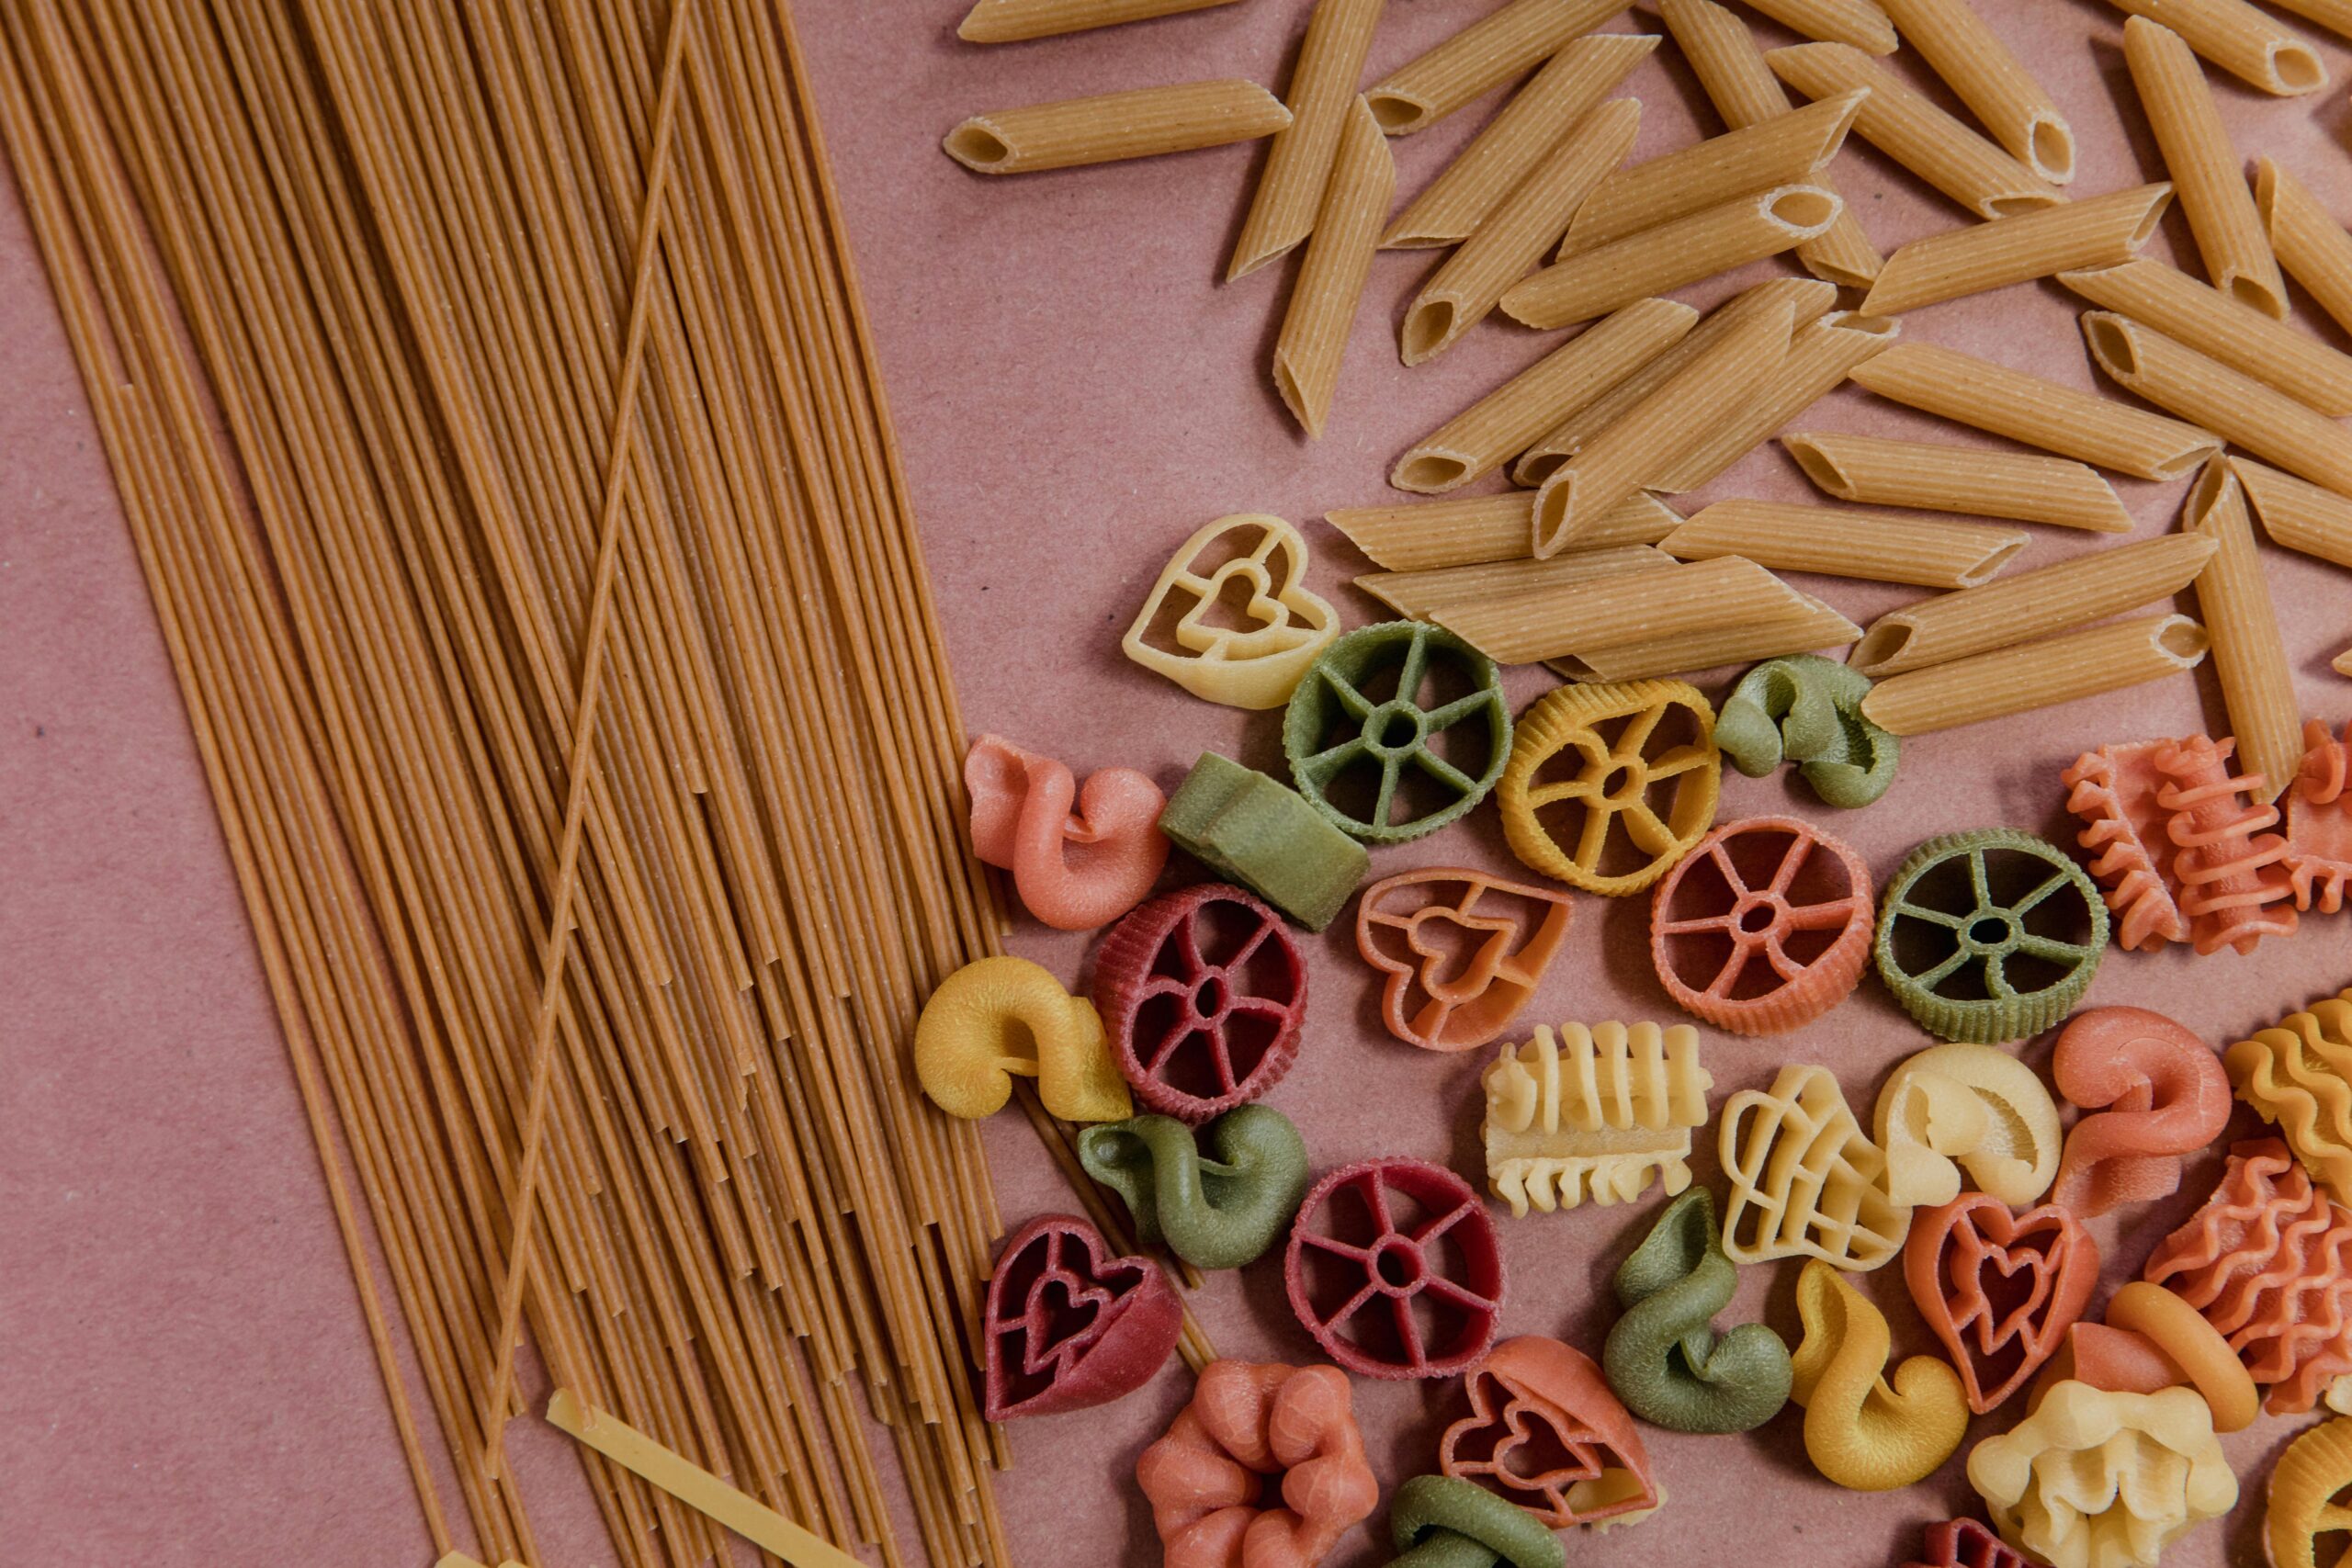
2227, 863
2296, 1075
494, 408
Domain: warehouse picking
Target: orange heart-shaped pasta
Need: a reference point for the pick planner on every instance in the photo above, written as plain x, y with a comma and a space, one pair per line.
1231, 619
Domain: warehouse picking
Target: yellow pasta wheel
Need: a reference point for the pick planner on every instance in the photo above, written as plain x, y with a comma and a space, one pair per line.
2303, 1486
1629, 796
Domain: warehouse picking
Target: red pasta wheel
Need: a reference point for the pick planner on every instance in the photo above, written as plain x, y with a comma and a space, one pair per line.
1763, 927
1202, 992
1395, 1268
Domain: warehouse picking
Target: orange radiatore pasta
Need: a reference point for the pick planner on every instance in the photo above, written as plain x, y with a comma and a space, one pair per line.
1488, 52
1322, 91
2205, 168
1787, 149
2103, 232
2021, 487
1995, 84
2240, 40
1331, 281
2215, 324
1140, 124
1714, 240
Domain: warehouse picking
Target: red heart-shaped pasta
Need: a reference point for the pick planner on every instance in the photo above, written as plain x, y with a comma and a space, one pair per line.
1967, 1543
1546, 1432
1069, 1324
1999, 1287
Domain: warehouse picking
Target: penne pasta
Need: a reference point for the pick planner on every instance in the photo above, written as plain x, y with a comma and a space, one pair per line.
1713, 384
2240, 40
1298, 165
1860, 23
1487, 53
2030, 604
1983, 73
1427, 535
1875, 546
2233, 405
2309, 245
2019, 485
1462, 291
1821, 354
1141, 124
2336, 16
1610, 612
2342, 662
2103, 232
2249, 654
1538, 114
1731, 71
1010, 21
1323, 301
1913, 132
1483, 437
2296, 515
1804, 624
1806, 300
2204, 167
1989, 397
2219, 325
2035, 675
1419, 595
1702, 245
1787, 148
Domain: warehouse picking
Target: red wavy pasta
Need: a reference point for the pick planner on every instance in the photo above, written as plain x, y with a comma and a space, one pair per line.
2157, 1092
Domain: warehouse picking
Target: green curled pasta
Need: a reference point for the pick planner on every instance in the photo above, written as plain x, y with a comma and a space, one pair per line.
1664, 1358
1217, 1210
1437, 1521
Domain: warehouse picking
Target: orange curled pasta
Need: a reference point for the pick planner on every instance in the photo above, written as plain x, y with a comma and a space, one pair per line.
2156, 1092
1246, 1423
1074, 870
1859, 1431
999, 1018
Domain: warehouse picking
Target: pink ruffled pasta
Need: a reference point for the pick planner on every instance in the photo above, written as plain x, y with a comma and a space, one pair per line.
2319, 820
1205, 1478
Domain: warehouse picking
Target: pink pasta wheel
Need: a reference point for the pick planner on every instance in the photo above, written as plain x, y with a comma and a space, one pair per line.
1763, 927
1395, 1268
1248, 1423
2157, 1093
2319, 820
1074, 870
1202, 992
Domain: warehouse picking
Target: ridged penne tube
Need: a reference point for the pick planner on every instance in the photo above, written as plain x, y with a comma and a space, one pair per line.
1783, 150
1010, 21
1426, 536
2035, 675
1516, 233
1806, 300
1821, 354
2205, 169
1913, 132
1483, 436
2249, 654
1805, 625
1298, 165
1419, 595
2342, 662
1983, 73
1488, 52
2219, 325
1538, 114
2336, 16
2019, 485
1141, 124
1989, 397
1611, 612
2030, 604
2297, 515
2102, 231
1723, 54
2240, 40
1728, 235
2230, 403
1330, 280
1859, 23
1875, 546
2309, 245
1614, 463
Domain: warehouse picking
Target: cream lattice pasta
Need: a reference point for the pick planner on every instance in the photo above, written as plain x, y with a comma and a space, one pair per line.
1805, 1182
1593, 1112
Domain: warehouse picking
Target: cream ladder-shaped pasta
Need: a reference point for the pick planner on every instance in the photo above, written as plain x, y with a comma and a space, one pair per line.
2102, 231
2297, 515
1420, 595
2221, 326
1783, 150
1821, 354
2233, 405
1010, 21
1483, 437
1723, 54
1429, 534
1876, 546
1322, 91
1989, 397
1616, 610
1459, 294
1982, 72
1330, 280
1141, 124
1746, 229
2311, 245
1538, 114
1859, 23
2204, 167
2053, 598
2019, 485
1487, 53
2035, 675
2249, 655
2240, 40
1801, 624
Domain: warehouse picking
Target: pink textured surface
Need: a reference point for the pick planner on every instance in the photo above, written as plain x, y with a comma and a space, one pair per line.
184, 1380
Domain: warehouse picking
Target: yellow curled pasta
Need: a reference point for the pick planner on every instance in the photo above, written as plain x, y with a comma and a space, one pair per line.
999, 1017
1860, 1432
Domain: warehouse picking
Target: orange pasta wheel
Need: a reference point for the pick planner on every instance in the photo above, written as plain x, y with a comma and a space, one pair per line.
1763, 927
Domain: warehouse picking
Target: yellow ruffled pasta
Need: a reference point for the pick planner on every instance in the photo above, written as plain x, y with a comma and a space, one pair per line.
2021, 487
1331, 281
2240, 40
2096, 1479
2228, 403
1429, 534
2035, 675
1421, 595
1787, 149
1322, 91
1981, 71
1487, 53
1801, 624
1877, 547
2249, 654
2224, 328
2205, 168
1707, 243
1615, 610
2102, 232
1010, 21
1141, 124
2309, 245
1821, 354
2296, 515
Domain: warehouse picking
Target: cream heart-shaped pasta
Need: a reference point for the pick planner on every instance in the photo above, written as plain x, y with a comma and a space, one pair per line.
1256, 663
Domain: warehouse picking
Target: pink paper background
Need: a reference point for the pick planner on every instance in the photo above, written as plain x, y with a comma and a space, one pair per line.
184, 1377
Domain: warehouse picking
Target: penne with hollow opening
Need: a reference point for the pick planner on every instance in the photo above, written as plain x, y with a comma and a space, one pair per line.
2223, 328
1723, 54
1419, 595
1907, 127
2342, 662
2249, 654
1983, 73
1860, 23
1702, 245
1538, 114
1611, 612
1298, 165
1487, 53
2022, 487
2035, 675
1463, 290
2336, 16
2296, 515
1805, 625
2029, 604
1994, 398
2102, 231
1012, 21
2205, 168
1323, 302
1426, 536
1821, 354
2240, 40
1483, 436
1836, 541
1141, 124
2309, 245
2230, 403
1781, 150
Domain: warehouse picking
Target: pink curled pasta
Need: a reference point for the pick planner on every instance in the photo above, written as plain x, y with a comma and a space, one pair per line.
1074, 870
2157, 1092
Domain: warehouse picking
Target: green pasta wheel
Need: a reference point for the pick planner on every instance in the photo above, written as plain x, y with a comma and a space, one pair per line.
1989, 936
1397, 729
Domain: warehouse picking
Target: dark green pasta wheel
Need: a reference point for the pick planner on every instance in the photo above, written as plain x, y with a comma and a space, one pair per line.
1397, 729
1989, 936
